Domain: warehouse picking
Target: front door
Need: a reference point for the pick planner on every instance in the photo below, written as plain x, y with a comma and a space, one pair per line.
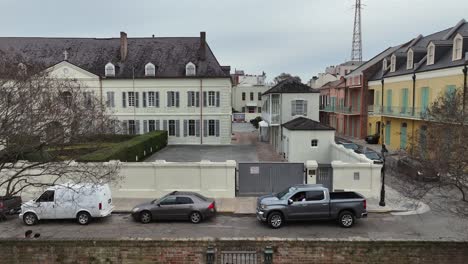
46, 205
166, 209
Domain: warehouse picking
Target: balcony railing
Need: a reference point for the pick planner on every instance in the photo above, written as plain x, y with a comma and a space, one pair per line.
347, 109
329, 108
401, 111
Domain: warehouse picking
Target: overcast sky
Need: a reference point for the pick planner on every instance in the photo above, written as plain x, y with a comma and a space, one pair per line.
301, 37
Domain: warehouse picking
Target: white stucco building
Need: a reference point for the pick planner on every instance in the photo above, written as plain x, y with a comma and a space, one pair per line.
284, 102
247, 93
174, 84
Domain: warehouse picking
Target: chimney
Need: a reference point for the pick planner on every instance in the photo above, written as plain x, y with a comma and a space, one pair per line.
123, 46
202, 51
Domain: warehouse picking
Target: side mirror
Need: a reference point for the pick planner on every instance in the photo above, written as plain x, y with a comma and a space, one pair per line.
290, 201
158, 204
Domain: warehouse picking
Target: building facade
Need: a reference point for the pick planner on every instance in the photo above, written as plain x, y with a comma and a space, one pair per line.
284, 102
173, 84
247, 93
411, 78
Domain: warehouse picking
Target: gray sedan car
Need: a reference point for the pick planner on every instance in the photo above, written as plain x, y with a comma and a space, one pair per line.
176, 206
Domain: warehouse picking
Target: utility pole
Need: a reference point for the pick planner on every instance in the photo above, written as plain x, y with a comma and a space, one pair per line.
356, 54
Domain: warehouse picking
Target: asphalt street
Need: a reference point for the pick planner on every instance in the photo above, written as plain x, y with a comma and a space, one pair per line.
428, 226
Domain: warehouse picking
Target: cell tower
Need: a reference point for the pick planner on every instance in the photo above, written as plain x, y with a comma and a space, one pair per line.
356, 54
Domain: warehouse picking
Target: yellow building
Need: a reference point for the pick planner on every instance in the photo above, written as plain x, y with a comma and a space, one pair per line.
411, 79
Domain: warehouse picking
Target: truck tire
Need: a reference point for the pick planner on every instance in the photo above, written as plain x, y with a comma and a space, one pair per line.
346, 219
30, 219
83, 218
275, 220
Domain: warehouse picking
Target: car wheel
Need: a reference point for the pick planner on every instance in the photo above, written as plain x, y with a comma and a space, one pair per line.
83, 218
195, 217
346, 219
275, 220
30, 219
145, 217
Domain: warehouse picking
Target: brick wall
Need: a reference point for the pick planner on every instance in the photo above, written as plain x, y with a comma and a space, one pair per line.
193, 251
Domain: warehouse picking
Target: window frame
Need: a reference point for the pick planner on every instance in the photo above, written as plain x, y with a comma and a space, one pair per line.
38, 200
109, 70
393, 63
190, 69
314, 141
410, 60
131, 127
150, 69
131, 99
211, 98
457, 49
295, 111
252, 96
171, 124
430, 54
211, 127
151, 99
243, 96
191, 128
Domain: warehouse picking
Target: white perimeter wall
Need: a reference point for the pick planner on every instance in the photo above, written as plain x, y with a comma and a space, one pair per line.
155, 179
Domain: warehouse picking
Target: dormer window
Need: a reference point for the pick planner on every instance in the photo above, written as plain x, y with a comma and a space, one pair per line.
190, 69
384, 65
150, 69
410, 60
430, 54
393, 63
110, 70
457, 48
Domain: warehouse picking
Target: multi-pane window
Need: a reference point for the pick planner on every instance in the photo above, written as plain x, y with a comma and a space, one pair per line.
410, 60
150, 69
251, 96
151, 126
110, 99
173, 99
243, 96
299, 107
211, 128
211, 98
152, 96
259, 96
393, 63
131, 99
191, 127
430, 54
314, 143
192, 99
259, 110
172, 128
457, 50
131, 127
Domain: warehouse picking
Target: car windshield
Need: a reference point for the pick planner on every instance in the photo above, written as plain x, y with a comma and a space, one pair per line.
282, 195
350, 146
372, 156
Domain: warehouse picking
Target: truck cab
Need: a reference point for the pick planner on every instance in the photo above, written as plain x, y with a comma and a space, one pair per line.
310, 202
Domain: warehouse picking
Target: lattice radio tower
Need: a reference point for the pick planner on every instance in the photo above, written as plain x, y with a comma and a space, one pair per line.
356, 54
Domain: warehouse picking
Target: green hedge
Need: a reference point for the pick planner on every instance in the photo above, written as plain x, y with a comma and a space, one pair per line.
131, 149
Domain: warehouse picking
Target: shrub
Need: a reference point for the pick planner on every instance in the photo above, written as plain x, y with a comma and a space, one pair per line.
255, 121
131, 149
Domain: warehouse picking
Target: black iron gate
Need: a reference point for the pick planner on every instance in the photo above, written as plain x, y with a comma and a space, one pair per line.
259, 178
325, 175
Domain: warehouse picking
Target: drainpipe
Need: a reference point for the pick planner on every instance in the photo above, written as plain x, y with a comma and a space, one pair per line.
414, 93
465, 71
201, 111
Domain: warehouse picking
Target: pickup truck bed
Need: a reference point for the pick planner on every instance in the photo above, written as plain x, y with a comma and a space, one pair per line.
9, 205
344, 195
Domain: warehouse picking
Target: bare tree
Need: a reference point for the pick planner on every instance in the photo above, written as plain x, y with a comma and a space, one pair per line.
440, 152
40, 117
284, 76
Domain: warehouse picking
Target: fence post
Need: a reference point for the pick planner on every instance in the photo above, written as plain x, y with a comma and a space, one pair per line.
210, 255
268, 255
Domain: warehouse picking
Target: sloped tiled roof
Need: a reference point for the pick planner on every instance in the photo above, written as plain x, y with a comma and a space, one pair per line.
291, 86
302, 123
442, 39
168, 54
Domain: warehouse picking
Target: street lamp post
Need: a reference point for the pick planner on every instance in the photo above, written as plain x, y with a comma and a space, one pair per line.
382, 190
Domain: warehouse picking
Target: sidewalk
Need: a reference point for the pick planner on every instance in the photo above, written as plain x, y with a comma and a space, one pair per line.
395, 203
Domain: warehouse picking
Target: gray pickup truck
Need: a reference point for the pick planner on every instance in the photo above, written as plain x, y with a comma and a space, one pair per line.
310, 202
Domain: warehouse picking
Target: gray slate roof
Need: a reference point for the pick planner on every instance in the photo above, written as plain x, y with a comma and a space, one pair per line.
291, 86
302, 123
443, 57
169, 54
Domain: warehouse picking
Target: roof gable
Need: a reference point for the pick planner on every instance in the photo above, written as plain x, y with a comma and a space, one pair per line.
302, 123
291, 86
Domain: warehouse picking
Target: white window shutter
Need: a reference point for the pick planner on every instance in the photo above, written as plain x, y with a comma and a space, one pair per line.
205, 128
137, 126
124, 100
185, 127
293, 108
217, 99
217, 127
177, 128
177, 99
144, 99
169, 98
189, 99
197, 99
197, 128
305, 107
157, 125
145, 126
156, 96
204, 99
165, 125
